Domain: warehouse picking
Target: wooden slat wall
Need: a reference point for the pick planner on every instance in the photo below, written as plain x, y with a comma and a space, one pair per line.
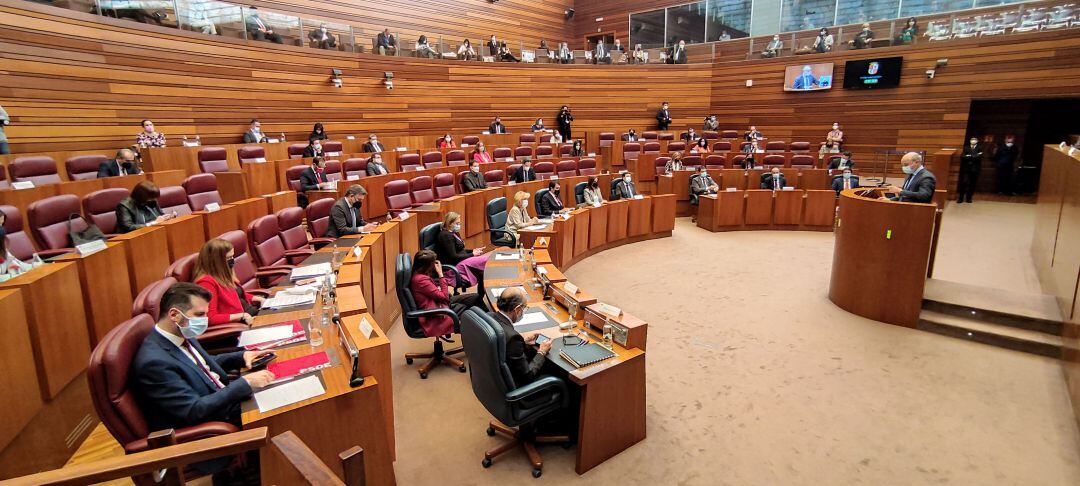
616, 14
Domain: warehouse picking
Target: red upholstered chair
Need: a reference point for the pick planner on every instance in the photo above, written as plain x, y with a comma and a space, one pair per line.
408, 162
455, 157
802, 161
607, 139
721, 147
470, 140
522, 152
183, 269
173, 199
691, 161
565, 149
201, 190
665, 136
459, 179
649, 147
100, 208
397, 197
432, 159
729, 134
251, 280
649, 136
18, 242
48, 221
586, 167
292, 176
566, 168
545, 138
502, 153
773, 160
298, 245
444, 186
213, 159
4, 183
737, 161
715, 161
660, 165
776, 146
676, 146
266, 245
496, 177
251, 153
544, 170
333, 170
82, 167
116, 406
420, 188
149, 299
296, 150
631, 150
355, 167
709, 135
38, 169
800, 147
527, 138
318, 217
332, 149
543, 152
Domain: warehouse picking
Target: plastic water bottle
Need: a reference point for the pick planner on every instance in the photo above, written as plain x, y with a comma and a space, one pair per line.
282, 136
36, 261
315, 335
607, 333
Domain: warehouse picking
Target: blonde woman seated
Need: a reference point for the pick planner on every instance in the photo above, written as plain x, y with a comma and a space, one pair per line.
9, 265
518, 216
450, 247
674, 163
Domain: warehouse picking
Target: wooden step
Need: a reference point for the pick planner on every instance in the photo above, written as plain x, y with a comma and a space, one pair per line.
1002, 336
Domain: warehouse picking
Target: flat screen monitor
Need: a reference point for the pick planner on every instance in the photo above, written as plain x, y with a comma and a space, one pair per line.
808, 77
873, 73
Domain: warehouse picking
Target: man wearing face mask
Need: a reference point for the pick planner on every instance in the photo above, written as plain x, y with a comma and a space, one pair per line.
550, 203
835, 137
497, 127
312, 179
176, 383
630, 136
842, 162
345, 217
524, 357
373, 144
847, 180
919, 184
322, 39
773, 180
124, 164
525, 173
702, 184
376, 166
663, 117
970, 167
625, 188
313, 149
1004, 159
474, 180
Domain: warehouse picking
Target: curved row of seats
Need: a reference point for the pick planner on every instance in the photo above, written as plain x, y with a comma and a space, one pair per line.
718, 161
720, 146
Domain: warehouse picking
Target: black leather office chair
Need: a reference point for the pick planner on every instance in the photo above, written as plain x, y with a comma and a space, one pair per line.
496, 219
614, 184
693, 197
410, 318
511, 405
579, 192
536, 202
428, 238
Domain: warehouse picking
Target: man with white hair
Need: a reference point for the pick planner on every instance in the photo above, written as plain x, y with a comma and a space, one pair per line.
919, 184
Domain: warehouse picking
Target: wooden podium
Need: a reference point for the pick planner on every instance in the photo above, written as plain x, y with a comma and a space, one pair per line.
880, 257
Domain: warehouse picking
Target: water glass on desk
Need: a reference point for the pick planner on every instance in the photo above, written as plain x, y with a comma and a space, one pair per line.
315, 335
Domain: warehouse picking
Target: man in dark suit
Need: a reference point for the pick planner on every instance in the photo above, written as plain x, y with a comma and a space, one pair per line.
525, 173
375, 166
177, 383
259, 30
312, 179
753, 134
524, 357
254, 133
385, 43
690, 136
919, 184
345, 217
847, 180
1004, 159
313, 149
550, 202
322, 38
702, 183
373, 144
841, 162
601, 55
497, 126
493, 47
663, 117
123, 164
474, 180
625, 189
678, 53
774, 180
970, 167
564, 118
564, 54
630, 136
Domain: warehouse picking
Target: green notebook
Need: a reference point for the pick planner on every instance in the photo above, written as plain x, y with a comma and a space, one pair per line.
586, 355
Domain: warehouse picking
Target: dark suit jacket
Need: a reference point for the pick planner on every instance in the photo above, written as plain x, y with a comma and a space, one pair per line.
521, 176
497, 128
450, 248
838, 183
474, 182
373, 169
173, 392
131, 216
625, 190
564, 119
663, 117
309, 181
767, 180
970, 154
679, 55
920, 189
309, 152
1006, 155
251, 138
370, 147
549, 204
341, 223
523, 360
628, 138
383, 40
834, 164
110, 169
493, 49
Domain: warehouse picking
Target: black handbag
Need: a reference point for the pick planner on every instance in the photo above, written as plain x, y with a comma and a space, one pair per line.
90, 234
249, 307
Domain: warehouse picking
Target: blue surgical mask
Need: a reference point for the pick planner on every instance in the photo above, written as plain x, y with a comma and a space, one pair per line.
457, 227
908, 169
196, 326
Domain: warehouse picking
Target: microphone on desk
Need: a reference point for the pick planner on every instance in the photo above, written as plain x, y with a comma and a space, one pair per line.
355, 378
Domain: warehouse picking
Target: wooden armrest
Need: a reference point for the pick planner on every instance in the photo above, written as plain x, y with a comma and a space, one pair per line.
304, 460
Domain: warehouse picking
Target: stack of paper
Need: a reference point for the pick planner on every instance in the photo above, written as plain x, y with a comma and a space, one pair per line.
535, 227
309, 271
285, 299
507, 256
289, 393
271, 337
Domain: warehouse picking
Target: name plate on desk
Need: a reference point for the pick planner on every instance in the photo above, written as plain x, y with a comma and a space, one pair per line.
190, 143
356, 251
22, 185
404, 215
638, 196
485, 132
789, 188
90, 247
464, 145
554, 176
332, 154
401, 149
592, 154
732, 189
350, 137
260, 160
608, 309
365, 327
353, 177
570, 288
212, 207
272, 140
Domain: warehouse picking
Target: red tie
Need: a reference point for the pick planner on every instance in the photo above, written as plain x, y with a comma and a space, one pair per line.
847, 183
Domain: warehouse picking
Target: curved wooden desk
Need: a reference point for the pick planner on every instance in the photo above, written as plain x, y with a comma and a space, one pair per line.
881, 256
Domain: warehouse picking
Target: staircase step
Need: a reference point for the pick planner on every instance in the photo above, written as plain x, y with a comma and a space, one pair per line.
1034, 312
1002, 336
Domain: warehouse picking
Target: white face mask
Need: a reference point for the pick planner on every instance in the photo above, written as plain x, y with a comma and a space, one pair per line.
476, 170
317, 147
457, 227
836, 127
627, 179
908, 169
1008, 144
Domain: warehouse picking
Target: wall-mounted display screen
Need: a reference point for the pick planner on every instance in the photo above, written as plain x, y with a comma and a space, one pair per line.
873, 73
808, 77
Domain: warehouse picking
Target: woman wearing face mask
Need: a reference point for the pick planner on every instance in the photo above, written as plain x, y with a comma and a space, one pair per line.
228, 300
9, 265
674, 163
318, 133
539, 125
148, 137
140, 209
518, 216
450, 247
447, 142
593, 195
701, 147
430, 290
835, 136
577, 151
480, 154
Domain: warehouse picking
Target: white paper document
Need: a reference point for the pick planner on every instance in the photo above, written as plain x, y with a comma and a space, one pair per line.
285, 299
265, 335
531, 318
506, 256
497, 291
535, 227
289, 393
316, 270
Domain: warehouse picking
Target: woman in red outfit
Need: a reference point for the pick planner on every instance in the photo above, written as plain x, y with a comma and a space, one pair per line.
447, 142
228, 300
430, 291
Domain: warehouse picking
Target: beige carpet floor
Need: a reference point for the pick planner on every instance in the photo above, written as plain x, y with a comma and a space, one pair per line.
755, 378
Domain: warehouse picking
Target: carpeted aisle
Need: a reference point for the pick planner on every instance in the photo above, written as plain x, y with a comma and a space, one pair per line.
754, 377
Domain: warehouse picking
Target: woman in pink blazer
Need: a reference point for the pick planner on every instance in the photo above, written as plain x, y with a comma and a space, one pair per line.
430, 289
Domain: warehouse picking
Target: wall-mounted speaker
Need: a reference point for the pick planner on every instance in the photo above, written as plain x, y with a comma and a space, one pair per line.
569, 13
